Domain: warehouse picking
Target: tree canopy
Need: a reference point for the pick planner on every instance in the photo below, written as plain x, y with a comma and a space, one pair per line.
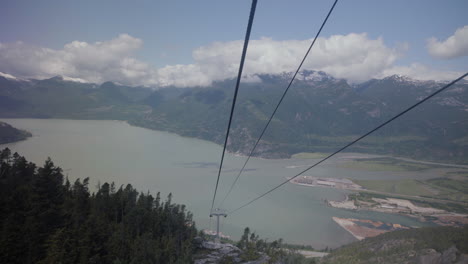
44, 218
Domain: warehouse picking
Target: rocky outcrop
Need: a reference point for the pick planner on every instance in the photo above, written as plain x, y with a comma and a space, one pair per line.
214, 253
448, 256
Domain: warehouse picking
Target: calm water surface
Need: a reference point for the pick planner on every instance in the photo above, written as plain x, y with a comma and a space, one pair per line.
154, 161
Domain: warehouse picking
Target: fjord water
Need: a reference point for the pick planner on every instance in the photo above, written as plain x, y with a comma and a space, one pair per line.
155, 161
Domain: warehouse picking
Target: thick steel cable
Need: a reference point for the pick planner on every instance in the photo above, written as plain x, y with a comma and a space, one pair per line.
280, 101
241, 66
355, 141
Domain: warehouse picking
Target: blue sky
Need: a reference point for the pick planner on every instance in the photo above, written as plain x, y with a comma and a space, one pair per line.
168, 32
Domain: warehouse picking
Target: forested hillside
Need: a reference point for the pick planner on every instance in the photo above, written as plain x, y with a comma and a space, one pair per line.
319, 114
10, 134
47, 219
420, 245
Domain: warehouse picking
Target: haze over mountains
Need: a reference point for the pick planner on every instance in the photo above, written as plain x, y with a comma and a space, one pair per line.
319, 114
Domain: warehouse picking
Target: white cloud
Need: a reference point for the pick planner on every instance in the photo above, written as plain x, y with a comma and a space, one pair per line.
354, 57
453, 47
96, 62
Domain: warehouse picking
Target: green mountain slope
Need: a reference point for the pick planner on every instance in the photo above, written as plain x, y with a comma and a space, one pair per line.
319, 114
423, 245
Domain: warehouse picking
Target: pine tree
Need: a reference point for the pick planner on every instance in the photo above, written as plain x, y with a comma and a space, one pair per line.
44, 220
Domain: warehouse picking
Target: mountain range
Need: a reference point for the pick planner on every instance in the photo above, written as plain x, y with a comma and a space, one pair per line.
319, 114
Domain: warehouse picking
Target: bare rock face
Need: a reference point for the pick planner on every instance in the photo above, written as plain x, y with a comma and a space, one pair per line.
449, 255
220, 252
463, 259
217, 252
431, 256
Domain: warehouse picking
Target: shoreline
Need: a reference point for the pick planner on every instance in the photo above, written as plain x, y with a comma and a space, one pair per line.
17, 136
402, 207
344, 155
326, 182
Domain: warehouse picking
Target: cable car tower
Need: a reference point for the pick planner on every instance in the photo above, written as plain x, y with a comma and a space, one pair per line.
218, 212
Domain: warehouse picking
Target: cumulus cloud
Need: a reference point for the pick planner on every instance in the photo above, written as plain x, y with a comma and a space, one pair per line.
453, 47
354, 57
95, 62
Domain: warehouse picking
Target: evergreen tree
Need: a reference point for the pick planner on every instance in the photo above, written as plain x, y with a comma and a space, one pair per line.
44, 220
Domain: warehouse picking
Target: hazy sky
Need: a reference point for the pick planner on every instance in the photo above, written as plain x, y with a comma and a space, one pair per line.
195, 42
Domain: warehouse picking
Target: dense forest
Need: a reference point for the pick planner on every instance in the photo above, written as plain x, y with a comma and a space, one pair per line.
44, 218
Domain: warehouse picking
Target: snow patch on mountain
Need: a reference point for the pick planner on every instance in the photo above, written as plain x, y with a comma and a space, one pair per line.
451, 101
79, 80
8, 76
